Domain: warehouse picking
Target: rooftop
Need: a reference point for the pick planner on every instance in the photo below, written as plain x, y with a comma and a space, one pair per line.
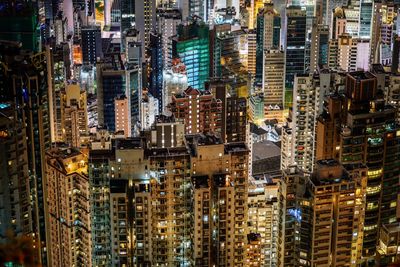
167, 152
200, 181
265, 149
361, 75
392, 228
118, 185
328, 171
128, 143
236, 147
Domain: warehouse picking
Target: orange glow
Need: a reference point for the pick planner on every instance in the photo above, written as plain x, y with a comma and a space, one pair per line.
77, 54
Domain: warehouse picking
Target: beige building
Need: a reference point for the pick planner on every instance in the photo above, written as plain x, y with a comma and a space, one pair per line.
273, 81
223, 172
172, 242
67, 208
263, 221
323, 214
347, 53
122, 115
74, 114
337, 212
251, 51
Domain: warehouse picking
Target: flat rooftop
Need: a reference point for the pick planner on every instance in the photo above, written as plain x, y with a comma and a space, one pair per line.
265, 149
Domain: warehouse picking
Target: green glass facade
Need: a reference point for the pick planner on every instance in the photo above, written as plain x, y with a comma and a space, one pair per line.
192, 47
20, 25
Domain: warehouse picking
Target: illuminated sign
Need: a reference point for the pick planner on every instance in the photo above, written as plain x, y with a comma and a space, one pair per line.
3, 134
296, 213
4, 105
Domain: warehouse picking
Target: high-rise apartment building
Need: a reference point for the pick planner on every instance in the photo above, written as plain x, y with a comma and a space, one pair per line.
263, 209
234, 112
220, 176
142, 195
167, 24
286, 144
16, 209
345, 19
166, 132
292, 249
348, 54
99, 203
338, 196
308, 94
225, 55
174, 82
74, 114
172, 231
363, 130
25, 82
67, 208
322, 215
251, 51
201, 112
149, 109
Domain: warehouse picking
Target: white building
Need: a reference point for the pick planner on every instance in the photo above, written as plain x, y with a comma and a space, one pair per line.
167, 22
308, 95
263, 217
348, 54
175, 81
149, 111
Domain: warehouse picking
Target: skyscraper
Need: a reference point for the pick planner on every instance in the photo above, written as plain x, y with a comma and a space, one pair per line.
157, 67
308, 94
348, 54
192, 46
25, 84
368, 136
74, 115
222, 185
91, 44
295, 47
174, 82
268, 36
18, 23
167, 24
127, 15
122, 122
111, 83
16, 213
201, 112
319, 53
310, 204
366, 14
67, 207
273, 83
